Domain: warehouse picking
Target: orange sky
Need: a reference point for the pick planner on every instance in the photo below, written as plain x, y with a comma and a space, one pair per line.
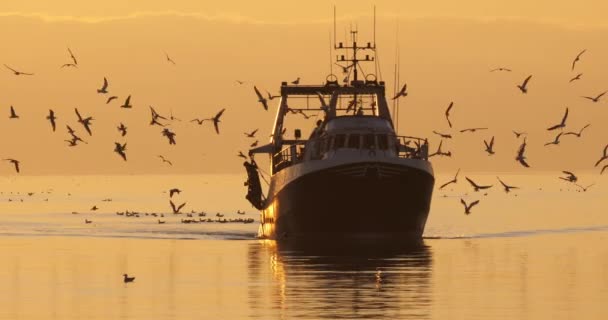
446, 52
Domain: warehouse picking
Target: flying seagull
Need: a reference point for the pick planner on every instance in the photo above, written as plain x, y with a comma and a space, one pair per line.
170, 135
169, 59
15, 163
524, 86
441, 153
521, 158
467, 208
585, 188
242, 155
562, 124
155, 117
578, 57
165, 160
122, 129
455, 180
86, 122
501, 69
518, 134
176, 209
555, 141
120, 149
261, 98
127, 104
443, 135
111, 98
578, 134
13, 114
577, 77
477, 187
472, 129
104, 88
507, 187
270, 97
18, 73
447, 113
604, 156
597, 98
402, 92
489, 146
215, 119
570, 177
51, 117
74, 62
174, 191
251, 134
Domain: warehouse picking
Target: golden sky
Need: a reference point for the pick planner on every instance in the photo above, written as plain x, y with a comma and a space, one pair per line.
447, 49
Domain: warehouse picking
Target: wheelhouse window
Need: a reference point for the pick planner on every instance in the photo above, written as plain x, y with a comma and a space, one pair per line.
339, 141
354, 141
382, 142
369, 141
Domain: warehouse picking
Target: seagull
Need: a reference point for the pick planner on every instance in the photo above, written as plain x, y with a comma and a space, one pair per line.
13, 114
489, 146
110, 99
240, 82
261, 98
94, 208
86, 122
74, 61
596, 99
443, 135
155, 117
242, 155
441, 153
199, 121
122, 129
578, 57
447, 113
18, 73
467, 208
472, 129
74, 136
570, 177
169, 59
127, 104
455, 180
521, 158
518, 134
523, 87
216, 120
254, 144
578, 134
561, 124
585, 188
176, 209
15, 163
69, 65
170, 135
120, 149
578, 77
87, 221
72, 143
104, 88
165, 160
556, 141
174, 191
604, 156
402, 92
251, 134
501, 69
476, 186
51, 117
127, 279
270, 97
507, 187
296, 82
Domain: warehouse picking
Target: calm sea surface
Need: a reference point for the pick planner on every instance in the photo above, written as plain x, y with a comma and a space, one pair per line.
540, 252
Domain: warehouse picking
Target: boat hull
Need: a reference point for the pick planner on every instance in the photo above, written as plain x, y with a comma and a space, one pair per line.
357, 200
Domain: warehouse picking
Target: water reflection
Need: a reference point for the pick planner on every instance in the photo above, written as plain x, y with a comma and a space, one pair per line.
321, 280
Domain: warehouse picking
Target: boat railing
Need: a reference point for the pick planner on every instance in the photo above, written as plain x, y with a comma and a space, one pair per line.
290, 155
412, 147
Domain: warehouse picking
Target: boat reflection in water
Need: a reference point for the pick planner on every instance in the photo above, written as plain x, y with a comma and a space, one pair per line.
332, 280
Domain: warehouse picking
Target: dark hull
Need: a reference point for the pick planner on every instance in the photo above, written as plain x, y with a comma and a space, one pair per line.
363, 200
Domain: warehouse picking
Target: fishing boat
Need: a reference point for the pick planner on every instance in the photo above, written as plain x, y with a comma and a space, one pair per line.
353, 176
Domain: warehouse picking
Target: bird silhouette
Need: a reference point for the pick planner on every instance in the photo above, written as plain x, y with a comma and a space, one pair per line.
518, 134
75, 138
578, 58
570, 177
216, 120
177, 209
110, 99
561, 124
296, 82
439, 152
74, 62
127, 104
524, 86
604, 156
15, 163
13, 114
447, 113
18, 73
477, 187
472, 129
51, 117
443, 135
578, 134
577, 77
86, 122
468, 207
507, 187
169, 59
521, 158
165, 160
402, 92
555, 141
254, 144
604, 168
596, 98
251, 134
261, 98
585, 188
127, 279
170, 135
455, 180
489, 146
104, 87
271, 97
501, 69
155, 117
120, 149
242, 155
174, 191
122, 129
